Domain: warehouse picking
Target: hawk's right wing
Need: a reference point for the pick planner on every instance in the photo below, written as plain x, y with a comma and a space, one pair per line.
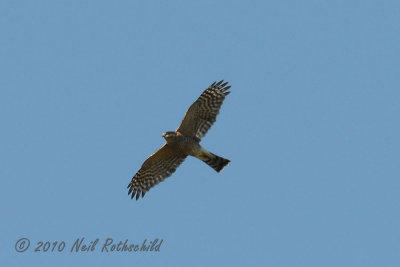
203, 112
155, 169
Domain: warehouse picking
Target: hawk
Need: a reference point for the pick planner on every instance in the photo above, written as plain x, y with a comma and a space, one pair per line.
183, 142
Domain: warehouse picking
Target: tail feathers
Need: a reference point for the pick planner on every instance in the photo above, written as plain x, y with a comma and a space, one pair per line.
216, 162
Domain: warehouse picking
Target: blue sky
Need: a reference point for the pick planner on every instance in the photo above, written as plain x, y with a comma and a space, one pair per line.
311, 127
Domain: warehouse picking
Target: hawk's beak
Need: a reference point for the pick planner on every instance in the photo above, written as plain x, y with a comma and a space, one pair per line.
163, 135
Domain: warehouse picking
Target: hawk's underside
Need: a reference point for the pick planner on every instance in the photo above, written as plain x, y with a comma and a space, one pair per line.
185, 141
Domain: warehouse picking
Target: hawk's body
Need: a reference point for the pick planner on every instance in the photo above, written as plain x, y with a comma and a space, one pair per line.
185, 141
187, 145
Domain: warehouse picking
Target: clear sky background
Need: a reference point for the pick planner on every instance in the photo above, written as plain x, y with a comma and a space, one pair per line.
311, 127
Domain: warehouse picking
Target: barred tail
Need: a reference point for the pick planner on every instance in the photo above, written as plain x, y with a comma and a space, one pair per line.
216, 162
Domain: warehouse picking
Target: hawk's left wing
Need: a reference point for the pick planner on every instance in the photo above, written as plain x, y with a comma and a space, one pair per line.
203, 112
155, 169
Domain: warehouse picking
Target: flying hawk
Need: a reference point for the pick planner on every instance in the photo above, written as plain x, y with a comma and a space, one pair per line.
183, 142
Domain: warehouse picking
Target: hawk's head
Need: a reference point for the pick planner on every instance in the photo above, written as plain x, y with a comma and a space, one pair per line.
169, 136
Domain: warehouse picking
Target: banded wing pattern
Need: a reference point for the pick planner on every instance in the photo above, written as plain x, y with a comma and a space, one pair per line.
155, 169
203, 112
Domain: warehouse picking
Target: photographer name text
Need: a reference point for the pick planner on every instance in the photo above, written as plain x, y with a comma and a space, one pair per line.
83, 245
